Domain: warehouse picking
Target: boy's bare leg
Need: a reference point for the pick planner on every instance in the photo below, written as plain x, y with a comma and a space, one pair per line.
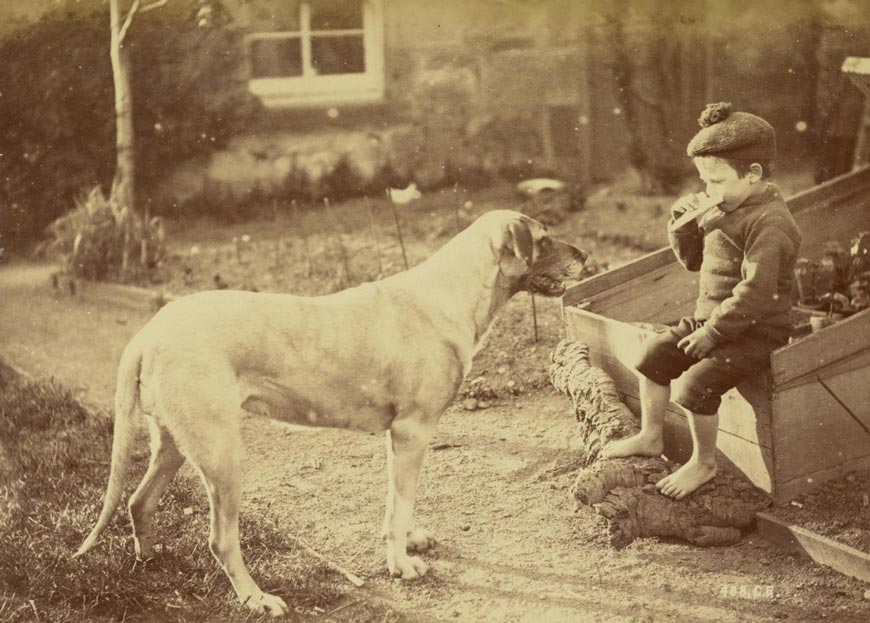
654, 399
702, 466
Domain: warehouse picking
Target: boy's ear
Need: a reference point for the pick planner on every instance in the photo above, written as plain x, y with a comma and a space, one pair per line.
756, 172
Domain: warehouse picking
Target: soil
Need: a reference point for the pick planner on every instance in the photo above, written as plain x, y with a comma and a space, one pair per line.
840, 510
494, 489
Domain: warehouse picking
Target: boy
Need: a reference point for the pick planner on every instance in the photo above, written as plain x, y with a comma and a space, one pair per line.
745, 250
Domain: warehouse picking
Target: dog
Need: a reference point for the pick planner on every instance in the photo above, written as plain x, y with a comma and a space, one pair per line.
385, 356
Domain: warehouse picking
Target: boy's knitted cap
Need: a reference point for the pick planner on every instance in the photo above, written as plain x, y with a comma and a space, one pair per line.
738, 135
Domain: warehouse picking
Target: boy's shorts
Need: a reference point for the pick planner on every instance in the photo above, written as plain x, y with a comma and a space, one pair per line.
707, 379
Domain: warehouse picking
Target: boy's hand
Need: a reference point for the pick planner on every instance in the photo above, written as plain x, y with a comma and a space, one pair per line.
697, 344
683, 205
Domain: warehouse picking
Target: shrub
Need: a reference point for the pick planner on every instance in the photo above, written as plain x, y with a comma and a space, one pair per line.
468, 176
341, 182
57, 105
100, 240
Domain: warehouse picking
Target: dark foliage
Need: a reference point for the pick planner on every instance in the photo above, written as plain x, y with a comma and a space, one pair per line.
57, 105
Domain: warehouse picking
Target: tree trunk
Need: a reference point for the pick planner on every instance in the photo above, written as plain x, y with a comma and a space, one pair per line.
623, 77
123, 185
622, 491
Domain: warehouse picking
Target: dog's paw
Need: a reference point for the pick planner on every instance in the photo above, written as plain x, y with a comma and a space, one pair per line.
407, 568
420, 540
264, 603
145, 548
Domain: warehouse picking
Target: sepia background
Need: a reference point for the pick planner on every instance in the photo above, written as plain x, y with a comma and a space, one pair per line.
249, 144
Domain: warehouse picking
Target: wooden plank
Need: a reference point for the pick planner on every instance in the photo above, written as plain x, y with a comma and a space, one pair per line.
848, 382
662, 295
834, 189
621, 340
822, 550
857, 65
812, 432
606, 280
623, 375
838, 219
747, 412
749, 460
861, 155
832, 344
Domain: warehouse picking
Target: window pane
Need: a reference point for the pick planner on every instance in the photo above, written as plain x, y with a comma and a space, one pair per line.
275, 58
338, 55
273, 15
336, 14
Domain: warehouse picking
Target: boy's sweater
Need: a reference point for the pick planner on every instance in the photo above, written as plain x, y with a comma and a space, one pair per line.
746, 258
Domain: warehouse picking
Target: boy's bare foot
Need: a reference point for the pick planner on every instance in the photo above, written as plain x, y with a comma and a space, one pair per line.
686, 479
636, 445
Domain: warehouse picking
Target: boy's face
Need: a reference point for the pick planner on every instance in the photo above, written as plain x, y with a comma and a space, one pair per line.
721, 179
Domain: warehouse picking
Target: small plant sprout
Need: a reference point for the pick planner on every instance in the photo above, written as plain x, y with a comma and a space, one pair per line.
374, 231
345, 261
402, 196
300, 223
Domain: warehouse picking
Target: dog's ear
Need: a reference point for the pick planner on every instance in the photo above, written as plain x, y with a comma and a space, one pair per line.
518, 237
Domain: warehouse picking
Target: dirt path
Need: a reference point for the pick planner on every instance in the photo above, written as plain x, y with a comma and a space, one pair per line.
511, 546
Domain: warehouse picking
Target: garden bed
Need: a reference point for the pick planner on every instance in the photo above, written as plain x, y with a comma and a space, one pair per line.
839, 510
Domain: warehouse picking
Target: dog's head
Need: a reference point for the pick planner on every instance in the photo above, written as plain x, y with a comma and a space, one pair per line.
531, 259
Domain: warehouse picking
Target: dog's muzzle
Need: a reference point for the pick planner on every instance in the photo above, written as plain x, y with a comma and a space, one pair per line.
547, 277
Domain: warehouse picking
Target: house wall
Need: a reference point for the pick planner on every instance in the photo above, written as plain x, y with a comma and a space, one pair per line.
469, 87
475, 85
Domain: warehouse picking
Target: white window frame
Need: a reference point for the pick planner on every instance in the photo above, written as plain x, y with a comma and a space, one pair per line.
312, 89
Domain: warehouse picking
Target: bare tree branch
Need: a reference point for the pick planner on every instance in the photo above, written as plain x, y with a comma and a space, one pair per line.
127, 21
152, 6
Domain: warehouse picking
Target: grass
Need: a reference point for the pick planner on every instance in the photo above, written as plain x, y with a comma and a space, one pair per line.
53, 468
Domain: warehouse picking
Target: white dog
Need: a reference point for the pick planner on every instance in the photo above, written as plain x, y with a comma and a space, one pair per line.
384, 356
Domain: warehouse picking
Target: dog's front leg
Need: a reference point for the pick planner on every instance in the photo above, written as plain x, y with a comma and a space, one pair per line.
407, 441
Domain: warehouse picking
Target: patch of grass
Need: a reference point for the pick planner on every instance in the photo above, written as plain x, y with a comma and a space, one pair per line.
54, 458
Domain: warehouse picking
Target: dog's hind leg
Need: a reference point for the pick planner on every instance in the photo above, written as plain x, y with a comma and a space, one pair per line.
165, 461
219, 461
407, 441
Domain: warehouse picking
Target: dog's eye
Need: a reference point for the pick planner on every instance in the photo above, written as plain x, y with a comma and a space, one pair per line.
544, 244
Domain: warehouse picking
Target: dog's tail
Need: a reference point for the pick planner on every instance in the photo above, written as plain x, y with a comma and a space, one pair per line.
126, 399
